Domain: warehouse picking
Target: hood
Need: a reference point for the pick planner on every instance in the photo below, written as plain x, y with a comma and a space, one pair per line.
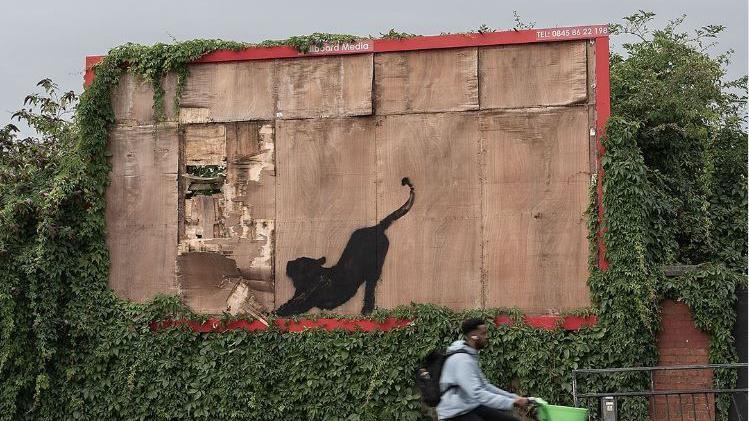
461, 344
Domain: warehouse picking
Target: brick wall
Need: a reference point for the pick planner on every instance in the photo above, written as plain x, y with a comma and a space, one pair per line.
681, 343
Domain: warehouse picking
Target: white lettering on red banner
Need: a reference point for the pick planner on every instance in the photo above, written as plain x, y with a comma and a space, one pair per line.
363, 46
577, 32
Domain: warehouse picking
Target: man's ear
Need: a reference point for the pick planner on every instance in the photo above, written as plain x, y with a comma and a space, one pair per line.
321, 260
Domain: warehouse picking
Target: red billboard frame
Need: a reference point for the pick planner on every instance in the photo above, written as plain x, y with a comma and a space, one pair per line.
598, 36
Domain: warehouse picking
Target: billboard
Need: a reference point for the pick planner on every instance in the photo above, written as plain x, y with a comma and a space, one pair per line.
452, 170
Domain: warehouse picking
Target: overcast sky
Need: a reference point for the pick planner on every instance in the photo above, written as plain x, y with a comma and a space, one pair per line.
41, 39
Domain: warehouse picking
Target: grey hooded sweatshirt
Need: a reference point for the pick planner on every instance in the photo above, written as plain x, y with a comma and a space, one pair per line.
462, 370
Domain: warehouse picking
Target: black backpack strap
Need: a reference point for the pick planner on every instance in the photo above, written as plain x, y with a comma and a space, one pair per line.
448, 355
458, 351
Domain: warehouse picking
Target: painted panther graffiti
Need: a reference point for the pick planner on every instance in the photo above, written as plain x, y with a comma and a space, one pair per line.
360, 263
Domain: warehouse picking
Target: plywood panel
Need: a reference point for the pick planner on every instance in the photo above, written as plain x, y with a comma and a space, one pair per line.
534, 199
325, 169
237, 91
426, 81
205, 144
527, 75
325, 86
132, 100
434, 254
325, 190
141, 212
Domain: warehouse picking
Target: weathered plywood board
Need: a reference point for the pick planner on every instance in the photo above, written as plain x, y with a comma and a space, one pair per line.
325, 190
325, 86
529, 75
132, 100
426, 81
325, 169
434, 254
205, 144
534, 200
236, 91
141, 211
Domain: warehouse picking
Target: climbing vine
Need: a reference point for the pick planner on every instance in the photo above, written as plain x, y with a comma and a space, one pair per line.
674, 189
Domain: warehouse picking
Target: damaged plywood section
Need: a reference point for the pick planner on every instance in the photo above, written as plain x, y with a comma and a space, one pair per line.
535, 197
141, 210
225, 258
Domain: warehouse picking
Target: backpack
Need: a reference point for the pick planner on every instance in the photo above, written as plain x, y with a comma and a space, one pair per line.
428, 376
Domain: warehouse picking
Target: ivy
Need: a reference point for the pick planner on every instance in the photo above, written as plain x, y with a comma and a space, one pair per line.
674, 189
303, 43
393, 34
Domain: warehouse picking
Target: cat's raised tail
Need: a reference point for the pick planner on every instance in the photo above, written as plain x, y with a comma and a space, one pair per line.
385, 223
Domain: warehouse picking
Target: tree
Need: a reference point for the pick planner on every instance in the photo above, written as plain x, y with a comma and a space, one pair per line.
30, 324
692, 134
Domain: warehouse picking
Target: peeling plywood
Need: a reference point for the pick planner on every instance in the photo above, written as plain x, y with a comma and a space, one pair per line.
252, 252
132, 100
426, 81
141, 212
205, 144
251, 171
543, 74
211, 270
243, 300
325, 86
235, 91
435, 254
262, 263
236, 224
212, 283
204, 217
535, 197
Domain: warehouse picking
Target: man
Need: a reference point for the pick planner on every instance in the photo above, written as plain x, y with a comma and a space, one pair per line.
467, 395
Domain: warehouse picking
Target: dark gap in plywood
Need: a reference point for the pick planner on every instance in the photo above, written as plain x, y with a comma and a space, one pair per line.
203, 180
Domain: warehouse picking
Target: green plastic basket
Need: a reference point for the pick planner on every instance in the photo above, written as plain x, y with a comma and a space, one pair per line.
548, 412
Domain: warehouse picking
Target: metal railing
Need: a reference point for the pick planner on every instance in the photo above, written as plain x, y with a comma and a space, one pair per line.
695, 402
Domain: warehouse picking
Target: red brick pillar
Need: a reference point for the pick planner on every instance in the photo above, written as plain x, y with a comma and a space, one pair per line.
681, 343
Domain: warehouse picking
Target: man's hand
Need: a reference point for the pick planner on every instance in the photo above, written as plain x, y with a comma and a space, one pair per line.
521, 402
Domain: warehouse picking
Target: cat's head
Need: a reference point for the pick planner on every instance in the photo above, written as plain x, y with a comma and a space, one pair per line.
304, 270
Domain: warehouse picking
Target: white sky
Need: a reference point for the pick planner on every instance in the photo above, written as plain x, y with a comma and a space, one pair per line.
49, 38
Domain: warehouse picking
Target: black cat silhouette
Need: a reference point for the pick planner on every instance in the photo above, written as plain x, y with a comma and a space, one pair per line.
360, 263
